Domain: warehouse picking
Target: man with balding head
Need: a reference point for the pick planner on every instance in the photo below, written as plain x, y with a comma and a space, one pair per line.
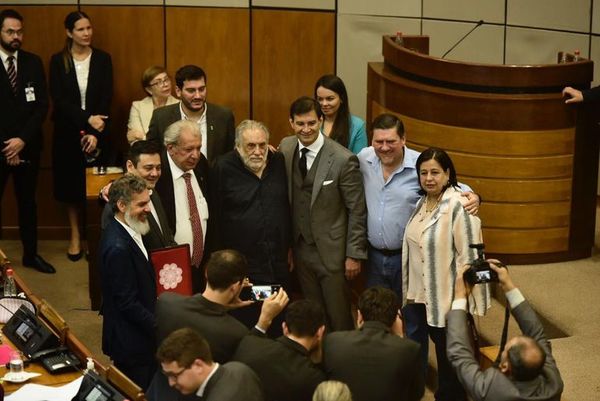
183, 190
527, 369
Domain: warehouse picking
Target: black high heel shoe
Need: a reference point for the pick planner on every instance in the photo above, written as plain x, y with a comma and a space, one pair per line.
74, 257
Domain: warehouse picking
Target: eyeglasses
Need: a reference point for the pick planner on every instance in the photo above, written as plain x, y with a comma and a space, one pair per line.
12, 32
161, 82
173, 375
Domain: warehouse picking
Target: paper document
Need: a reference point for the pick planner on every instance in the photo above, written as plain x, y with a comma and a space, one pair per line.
37, 392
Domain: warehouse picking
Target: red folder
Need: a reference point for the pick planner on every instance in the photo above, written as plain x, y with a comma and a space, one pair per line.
173, 269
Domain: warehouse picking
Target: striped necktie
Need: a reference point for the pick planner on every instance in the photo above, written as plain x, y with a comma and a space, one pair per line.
12, 74
198, 240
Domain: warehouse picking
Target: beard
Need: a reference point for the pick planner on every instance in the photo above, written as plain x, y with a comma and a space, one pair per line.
12, 46
254, 164
140, 227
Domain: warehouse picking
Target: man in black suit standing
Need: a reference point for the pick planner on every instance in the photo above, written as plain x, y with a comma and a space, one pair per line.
23, 107
128, 283
284, 365
216, 123
183, 191
144, 161
374, 360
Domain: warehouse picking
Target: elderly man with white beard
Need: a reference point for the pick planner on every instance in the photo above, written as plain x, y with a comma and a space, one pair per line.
128, 284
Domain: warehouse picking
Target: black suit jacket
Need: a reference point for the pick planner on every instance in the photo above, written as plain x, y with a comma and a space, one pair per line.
157, 237
376, 364
128, 298
164, 186
220, 125
18, 117
283, 367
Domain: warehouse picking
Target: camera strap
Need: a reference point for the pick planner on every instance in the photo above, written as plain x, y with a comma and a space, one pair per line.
504, 334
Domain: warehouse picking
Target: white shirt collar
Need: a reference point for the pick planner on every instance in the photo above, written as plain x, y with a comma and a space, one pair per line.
200, 391
4, 55
185, 117
176, 172
314, 147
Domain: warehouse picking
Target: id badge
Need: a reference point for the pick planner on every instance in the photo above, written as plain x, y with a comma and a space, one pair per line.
29, 93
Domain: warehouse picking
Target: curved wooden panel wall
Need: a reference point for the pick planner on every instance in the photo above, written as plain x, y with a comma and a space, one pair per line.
511, 138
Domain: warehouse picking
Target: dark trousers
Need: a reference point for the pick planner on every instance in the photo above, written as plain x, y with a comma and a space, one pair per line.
25, 183
140, 373
417, 329
330, 289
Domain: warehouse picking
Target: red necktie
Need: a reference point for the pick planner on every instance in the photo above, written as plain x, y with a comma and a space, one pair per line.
198, 242
12, 73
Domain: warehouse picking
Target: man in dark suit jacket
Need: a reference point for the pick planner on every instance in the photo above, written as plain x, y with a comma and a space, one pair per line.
216, 123
144, 161
191, 374
128, 283
374, 360
23, 107
284, 366
527, 369
328, 212
573, 95
185, 176
207, 313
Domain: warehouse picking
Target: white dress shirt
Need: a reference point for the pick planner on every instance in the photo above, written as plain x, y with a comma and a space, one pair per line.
313, 150
4, 57
183, 226
137, 237
203, 131
82, 70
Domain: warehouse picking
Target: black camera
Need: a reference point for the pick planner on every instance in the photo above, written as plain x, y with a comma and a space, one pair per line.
480, 270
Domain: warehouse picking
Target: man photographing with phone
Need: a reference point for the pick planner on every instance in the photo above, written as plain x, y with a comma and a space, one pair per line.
527, 369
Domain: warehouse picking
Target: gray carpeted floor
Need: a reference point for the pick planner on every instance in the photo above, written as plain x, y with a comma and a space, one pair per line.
566, 294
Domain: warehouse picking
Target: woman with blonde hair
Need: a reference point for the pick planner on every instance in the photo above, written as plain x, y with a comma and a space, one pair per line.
332, 390
157, 84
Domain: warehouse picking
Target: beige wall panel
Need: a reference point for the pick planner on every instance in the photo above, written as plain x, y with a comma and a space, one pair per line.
209, 3
291, 50
484, 45
143, 48
359, 41
387, 8
533, 215
570, 15
302, 4
224, 57
122, 2
532, 190
532, 46
470, 10
596, 19
515, 241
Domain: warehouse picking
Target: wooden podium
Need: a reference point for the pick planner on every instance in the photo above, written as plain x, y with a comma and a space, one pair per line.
532, 158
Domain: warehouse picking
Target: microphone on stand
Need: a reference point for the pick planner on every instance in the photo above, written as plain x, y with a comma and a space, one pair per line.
481, 22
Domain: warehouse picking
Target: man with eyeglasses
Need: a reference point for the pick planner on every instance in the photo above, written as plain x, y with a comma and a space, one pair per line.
23, 108
216, 123
187, 364
183, 191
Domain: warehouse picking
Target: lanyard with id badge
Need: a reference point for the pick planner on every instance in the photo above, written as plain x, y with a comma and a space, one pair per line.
29, 92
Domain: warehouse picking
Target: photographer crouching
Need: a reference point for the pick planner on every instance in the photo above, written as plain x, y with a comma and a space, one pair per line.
527, 370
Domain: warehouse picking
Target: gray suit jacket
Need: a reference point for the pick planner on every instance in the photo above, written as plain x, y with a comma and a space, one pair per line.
338, 210
220, 125
491, 384
232, 381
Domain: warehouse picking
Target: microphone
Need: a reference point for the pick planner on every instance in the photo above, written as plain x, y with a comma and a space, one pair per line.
481, 22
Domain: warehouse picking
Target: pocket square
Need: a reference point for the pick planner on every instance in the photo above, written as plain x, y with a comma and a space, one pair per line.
327, 182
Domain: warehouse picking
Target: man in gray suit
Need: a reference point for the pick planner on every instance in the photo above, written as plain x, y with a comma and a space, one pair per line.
527, 369
216, 123
328, 212
144, 161
187, 363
